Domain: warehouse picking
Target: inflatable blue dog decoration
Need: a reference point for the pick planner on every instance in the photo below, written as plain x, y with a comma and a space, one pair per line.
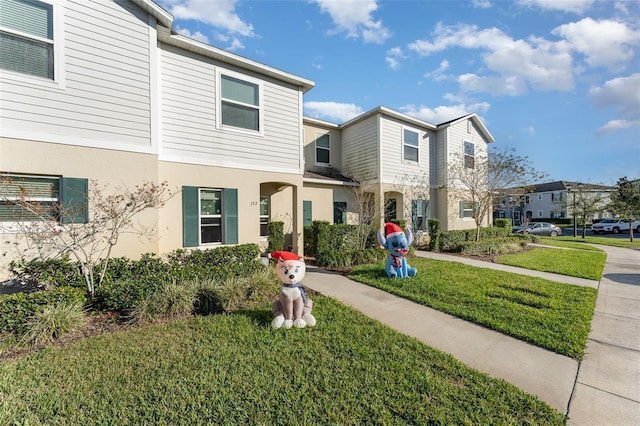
397, 244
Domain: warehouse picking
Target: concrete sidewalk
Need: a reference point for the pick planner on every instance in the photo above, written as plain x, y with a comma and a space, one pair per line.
543, 373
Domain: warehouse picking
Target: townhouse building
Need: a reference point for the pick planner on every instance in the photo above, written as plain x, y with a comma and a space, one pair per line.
108, 91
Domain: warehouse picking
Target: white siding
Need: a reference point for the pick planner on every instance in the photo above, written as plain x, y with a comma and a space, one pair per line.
394, 169
188, 110
105, 98
360, 150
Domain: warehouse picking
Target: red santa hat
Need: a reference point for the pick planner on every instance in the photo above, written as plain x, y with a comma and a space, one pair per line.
284, 255
391, 229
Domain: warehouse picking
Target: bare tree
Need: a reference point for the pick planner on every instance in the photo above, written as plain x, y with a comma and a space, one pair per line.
368, 211
586, 200
110, 215
489, 176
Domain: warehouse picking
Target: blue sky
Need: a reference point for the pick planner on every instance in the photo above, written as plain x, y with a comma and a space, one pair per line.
559, 81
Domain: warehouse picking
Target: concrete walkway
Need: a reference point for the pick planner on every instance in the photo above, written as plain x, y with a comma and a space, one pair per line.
593, 392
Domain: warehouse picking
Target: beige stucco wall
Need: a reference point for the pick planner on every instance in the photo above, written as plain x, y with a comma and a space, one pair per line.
283, 189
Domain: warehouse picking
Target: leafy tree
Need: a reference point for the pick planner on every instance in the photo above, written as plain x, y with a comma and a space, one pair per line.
586, 202
488, 176
625, 201
90, 244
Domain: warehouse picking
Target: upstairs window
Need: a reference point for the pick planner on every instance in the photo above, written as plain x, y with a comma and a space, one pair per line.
410, 141
469, 155
26, 37
323, 149
240, 103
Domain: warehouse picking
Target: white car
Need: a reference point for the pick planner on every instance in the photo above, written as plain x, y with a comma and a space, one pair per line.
614, 225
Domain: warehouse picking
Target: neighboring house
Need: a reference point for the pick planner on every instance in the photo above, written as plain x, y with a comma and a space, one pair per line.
107, 91
546, 201
399, 160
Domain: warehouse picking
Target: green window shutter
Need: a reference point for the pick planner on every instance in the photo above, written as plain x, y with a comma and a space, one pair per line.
190, 216
427, 209
414, 214
307, 216
230, 220
461, 209
73, 194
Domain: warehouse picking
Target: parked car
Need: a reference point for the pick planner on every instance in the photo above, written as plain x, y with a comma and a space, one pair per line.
614, 225
540, 228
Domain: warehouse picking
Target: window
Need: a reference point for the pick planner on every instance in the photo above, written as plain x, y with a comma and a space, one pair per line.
469, 155
539, 197
539, 213
264, 216
26, 37
323, 149
240, 103
307, 213
209, 216
339, 212
419, 214
410, 143
390, 210
27, 198
468, 209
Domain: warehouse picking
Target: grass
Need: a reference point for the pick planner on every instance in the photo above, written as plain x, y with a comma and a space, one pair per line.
547, 314
234, 369
555, 242
574, 263
605, 241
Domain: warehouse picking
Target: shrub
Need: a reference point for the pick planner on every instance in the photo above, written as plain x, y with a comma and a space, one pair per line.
368, 256
504, 223
123, 295
16, 309
171, 301
52, 322
217, 264
320, 241
275, 230
400, 222
334, 259
434, 233
48, 273
493, 246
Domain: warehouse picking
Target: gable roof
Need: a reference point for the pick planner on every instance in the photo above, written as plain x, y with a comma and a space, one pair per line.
562, 185
389, 113
165, 19
476, 120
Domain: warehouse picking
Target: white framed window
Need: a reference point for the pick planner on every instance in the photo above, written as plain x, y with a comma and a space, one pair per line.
468, 209
240, 102
264, 216
323, 149
210, 216
469, 155
29, 39
410, 145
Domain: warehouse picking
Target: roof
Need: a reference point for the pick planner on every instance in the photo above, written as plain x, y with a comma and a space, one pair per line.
165, 19
328, 179
389, 113
562, 185
476, 120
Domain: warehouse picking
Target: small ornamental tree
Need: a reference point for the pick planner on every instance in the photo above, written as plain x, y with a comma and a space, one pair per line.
488, 176
625, 201
90, 244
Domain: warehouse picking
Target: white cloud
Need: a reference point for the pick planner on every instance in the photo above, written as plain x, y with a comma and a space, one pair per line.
331, 111
442, 114
196, 36
394, 55
605, 43
481, 4
575, 6
623, 94
355, 18
438, 74
220, 13
517, 64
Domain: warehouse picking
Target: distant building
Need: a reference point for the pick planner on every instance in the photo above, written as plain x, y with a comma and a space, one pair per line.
546, 201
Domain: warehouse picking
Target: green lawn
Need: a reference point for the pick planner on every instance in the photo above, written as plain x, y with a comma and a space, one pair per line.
548, 314
605, 241
575, 263
234, 369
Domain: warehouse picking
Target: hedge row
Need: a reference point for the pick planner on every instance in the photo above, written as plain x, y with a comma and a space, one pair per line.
15, 309
452, 241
